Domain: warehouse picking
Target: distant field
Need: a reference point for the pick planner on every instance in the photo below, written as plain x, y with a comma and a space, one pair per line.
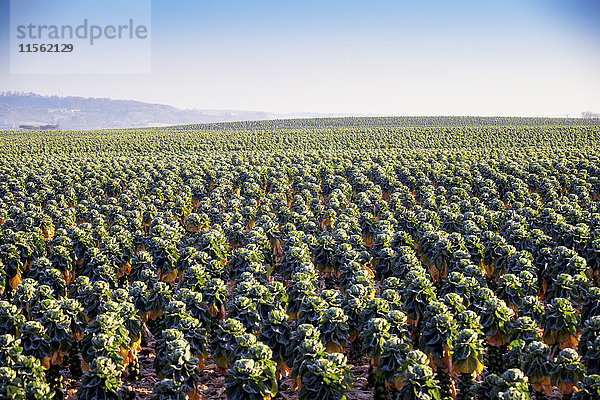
371, 258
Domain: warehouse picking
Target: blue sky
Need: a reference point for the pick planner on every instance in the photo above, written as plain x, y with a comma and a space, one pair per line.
428, 57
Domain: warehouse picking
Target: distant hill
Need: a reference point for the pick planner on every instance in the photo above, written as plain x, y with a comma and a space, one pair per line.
379, 123
32, 111
29, 109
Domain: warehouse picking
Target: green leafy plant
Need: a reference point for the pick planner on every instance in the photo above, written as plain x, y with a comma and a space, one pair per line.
415, 379
277, 334
10, 318
101, 381
168, 389
437, 334
512, 384
101, 345
223, 343
311, 310
302, 332
535, 362
567, 371
36, 342
334, 329
214, 296
251, 379
589, 388
174, 361
392, 358
244, 310
326, 378
305, 352
374, 337
417, 294
561, 324
300, 288
10, 386
589, 345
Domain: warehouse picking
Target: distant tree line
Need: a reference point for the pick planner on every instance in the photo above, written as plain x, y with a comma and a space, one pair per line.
48, 127
590, 115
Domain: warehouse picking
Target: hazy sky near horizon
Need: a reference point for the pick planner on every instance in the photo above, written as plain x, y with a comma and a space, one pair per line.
385, 57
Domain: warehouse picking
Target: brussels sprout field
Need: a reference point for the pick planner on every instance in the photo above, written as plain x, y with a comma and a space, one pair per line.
351, 258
